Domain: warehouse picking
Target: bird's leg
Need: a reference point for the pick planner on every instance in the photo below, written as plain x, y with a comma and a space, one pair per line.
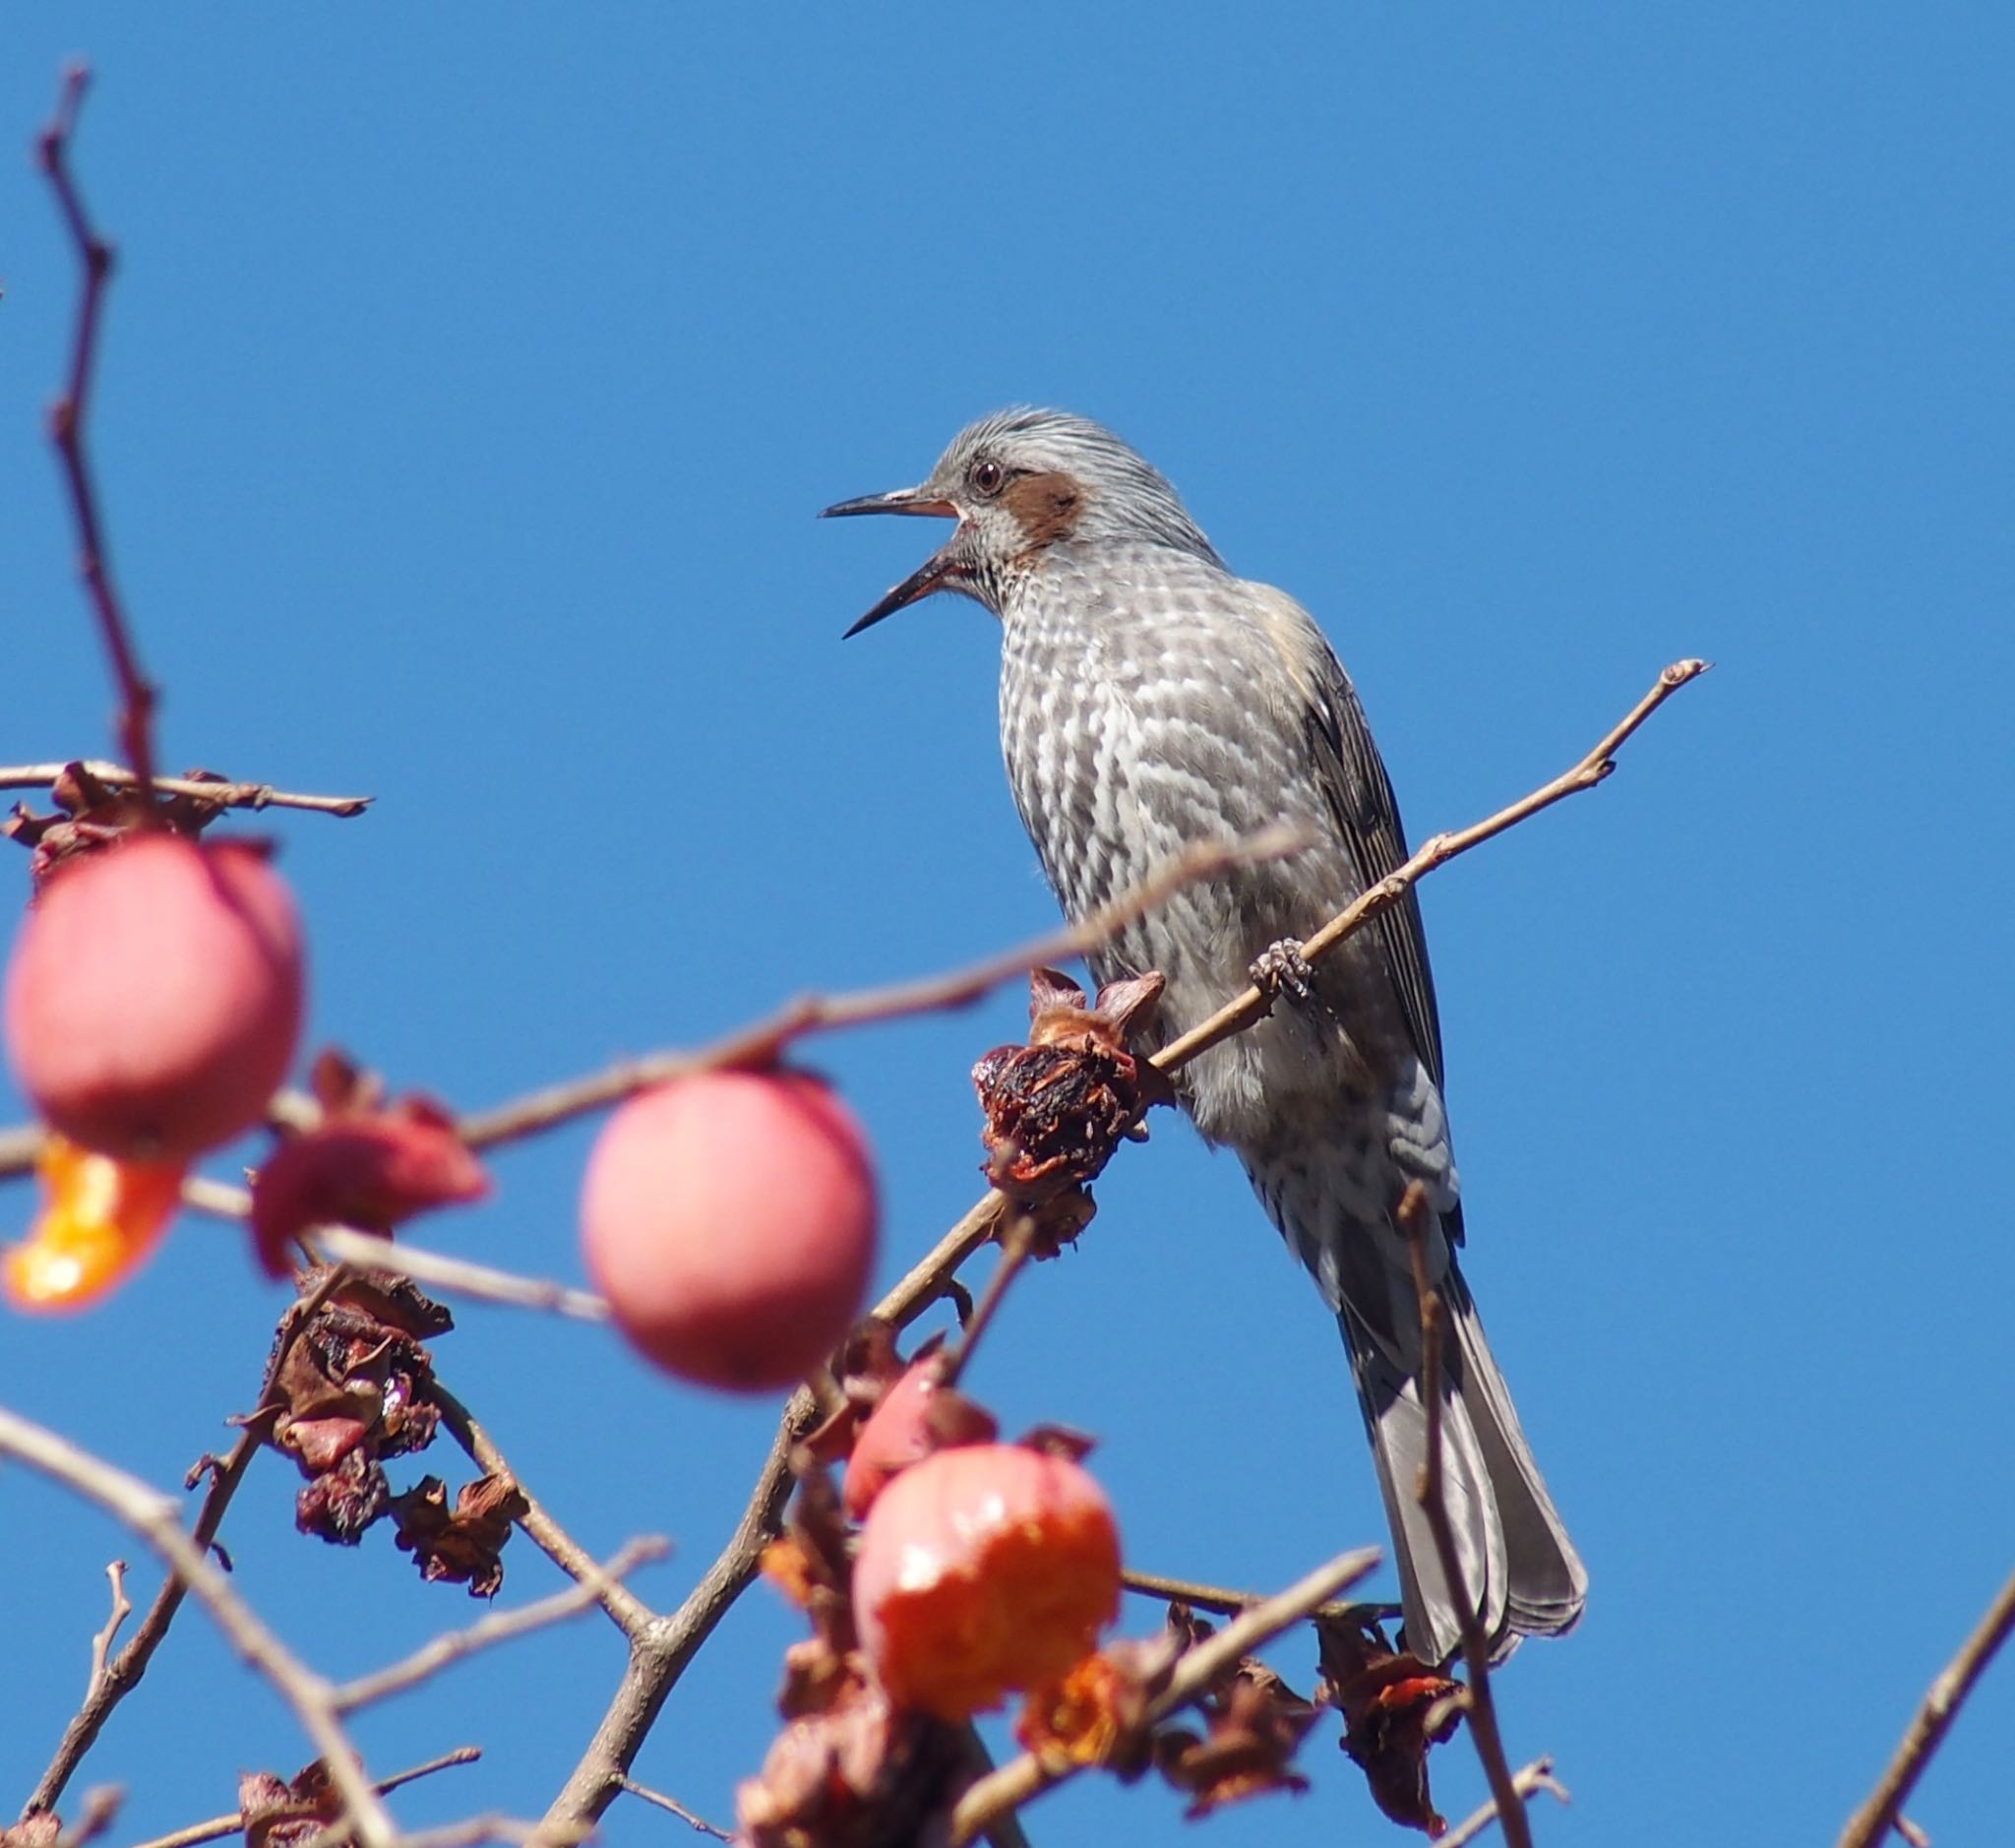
1281, 969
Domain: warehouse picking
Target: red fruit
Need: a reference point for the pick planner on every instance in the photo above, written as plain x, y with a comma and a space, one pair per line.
373, 1168
729, 1219
917, 1415
154, 997
984, 1569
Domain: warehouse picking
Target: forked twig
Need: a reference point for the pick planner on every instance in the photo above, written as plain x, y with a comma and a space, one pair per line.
1928, 1726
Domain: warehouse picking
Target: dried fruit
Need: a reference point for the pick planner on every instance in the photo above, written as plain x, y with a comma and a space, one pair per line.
101, 1221
1059, 1106
729, 1219
154, 997
984, 1569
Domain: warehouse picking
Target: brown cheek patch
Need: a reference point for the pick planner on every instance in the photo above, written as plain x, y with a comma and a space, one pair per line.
1045, 507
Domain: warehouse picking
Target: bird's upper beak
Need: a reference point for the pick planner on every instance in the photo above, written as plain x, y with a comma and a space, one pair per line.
947, 563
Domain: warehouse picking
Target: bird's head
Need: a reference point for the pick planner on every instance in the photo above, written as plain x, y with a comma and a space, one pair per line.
1019, 482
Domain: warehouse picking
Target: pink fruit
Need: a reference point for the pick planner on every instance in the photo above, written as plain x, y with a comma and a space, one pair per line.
154, 997
984, 1569
729, 1219
917, 1415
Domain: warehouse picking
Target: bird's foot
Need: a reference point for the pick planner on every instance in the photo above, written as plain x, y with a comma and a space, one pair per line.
1281, 969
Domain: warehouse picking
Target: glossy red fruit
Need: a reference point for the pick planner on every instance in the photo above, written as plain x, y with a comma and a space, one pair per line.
984, 1569
154, 997
729, 1219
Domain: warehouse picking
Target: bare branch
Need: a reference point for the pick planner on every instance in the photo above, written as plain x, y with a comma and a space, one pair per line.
764, 1043
101, 1644
1883, 1809
1431, 1494
1241, 1011
345, 1245
679, 1810
630, 1614
155, 1519
220, 1827
225, 795
122, 1675
67, 418
498, 1626
1229, 1603
1027, 1776
657, 1660
1527, 1781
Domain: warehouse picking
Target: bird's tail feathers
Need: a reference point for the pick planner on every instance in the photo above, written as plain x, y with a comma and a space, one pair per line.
1520, 1573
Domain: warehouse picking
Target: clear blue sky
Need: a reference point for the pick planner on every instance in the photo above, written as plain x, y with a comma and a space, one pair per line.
472, 377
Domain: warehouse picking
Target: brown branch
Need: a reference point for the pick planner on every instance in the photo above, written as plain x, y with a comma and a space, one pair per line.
101, 1644
764, 1043
1527, 1782
500, 1627
66, 430
225, 795
156, 1519
677, 1808
1229, 1603
122, 1675
1243, 1009
220, 1827
1431, 1494
627, 1610
1027, 1776
345, 1245
653, 1669
1883, 1811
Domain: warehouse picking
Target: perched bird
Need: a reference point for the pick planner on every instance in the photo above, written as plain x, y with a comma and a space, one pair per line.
1151, 699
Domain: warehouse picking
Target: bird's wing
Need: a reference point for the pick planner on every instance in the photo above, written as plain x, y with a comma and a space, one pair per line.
1358, 796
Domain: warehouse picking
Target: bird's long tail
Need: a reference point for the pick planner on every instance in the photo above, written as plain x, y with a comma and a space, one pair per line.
1520, 1571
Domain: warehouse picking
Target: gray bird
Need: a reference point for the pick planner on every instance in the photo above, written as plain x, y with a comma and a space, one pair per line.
1149, 699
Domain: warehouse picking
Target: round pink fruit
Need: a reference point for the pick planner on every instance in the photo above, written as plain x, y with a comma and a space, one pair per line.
154, 997
729, 1219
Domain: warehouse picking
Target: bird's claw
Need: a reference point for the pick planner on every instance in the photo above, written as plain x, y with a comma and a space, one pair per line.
1281, 969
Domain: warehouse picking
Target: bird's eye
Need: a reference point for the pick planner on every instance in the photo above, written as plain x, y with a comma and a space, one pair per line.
987, 477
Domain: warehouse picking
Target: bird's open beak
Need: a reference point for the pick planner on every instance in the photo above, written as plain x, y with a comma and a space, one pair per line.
944, 566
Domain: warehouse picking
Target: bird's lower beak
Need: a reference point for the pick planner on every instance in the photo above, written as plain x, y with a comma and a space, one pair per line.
948, 565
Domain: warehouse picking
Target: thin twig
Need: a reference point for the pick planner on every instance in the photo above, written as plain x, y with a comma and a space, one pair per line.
101, 1644
653, 1669
1432, 1495
678, 1809
500, 1627
122, 1675
67, 418
1227, 1602
1243, 1009
226, 795
155, 1519
1931, 1723
630, 1614
764, 1043
345, 1245
1527, 1781
1015, 1783
1017, 1240
220, 1827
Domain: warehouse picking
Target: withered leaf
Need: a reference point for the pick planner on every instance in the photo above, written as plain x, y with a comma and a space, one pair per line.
1386, 1699
461, 1547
